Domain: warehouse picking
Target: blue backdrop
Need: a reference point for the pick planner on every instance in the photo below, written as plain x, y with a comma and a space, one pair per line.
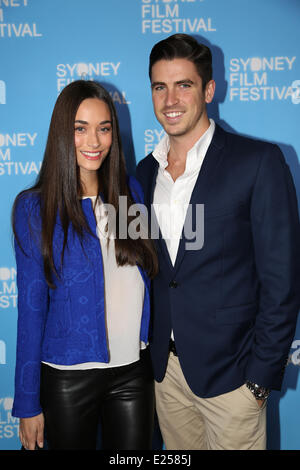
46, 44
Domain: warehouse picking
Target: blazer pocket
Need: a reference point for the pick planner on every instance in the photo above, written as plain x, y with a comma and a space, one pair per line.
238, 314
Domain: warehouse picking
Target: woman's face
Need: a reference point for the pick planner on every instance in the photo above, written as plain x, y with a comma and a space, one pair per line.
93, 135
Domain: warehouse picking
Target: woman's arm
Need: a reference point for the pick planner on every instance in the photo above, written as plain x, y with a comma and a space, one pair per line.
32, 308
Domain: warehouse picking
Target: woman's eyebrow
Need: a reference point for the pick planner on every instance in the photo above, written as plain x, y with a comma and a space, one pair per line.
85, 122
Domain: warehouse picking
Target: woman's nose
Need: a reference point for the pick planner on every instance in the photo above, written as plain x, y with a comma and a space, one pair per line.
93, 139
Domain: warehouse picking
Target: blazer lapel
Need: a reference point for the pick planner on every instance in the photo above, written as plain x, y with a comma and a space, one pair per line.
199, 195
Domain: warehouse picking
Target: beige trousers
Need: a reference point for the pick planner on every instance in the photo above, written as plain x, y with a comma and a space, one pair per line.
232, 421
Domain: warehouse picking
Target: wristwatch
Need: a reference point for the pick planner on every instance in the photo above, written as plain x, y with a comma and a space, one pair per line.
260, 393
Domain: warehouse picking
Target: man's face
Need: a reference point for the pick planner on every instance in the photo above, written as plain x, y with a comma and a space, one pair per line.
178, 99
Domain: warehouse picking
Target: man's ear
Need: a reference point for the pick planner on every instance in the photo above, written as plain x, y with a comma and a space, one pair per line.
210, 91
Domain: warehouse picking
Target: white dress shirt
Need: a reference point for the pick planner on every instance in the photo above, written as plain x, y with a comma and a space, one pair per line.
171, 198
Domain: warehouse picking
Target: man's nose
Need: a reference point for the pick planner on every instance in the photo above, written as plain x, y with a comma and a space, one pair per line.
171, 97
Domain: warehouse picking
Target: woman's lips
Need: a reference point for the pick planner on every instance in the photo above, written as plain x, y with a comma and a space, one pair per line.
91, 155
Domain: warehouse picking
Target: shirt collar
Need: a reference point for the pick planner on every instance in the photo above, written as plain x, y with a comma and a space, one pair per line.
195, 155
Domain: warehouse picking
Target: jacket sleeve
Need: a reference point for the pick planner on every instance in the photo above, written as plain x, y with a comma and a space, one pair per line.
276, 237
32, 309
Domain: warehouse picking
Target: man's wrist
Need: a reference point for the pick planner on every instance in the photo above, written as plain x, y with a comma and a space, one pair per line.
260, 393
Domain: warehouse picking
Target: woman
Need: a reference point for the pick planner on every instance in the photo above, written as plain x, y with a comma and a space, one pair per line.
83, 291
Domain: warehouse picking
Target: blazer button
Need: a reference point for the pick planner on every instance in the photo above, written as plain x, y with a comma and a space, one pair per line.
173, 284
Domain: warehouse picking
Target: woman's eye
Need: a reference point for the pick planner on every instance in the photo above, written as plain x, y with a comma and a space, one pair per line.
79, 129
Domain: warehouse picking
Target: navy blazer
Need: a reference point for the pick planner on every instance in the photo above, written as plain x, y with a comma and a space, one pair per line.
233, 304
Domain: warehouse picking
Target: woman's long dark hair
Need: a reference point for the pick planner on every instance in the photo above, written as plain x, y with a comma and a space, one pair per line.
60, 189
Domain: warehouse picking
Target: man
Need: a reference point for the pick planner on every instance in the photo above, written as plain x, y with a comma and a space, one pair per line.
224, 313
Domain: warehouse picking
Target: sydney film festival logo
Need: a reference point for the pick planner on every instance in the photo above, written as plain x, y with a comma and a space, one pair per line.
263, 79
8, 288
294, 356
174, 16
296, 92
2, 92
13, 148
14, 29
2, 352
9, 425
100, 70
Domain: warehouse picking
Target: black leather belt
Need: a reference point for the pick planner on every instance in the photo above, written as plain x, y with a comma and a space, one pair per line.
172, 347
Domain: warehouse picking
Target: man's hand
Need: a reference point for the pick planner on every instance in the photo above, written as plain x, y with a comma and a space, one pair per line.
32, 431
260, 402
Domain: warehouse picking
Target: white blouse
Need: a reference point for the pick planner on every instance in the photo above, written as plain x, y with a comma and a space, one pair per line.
124, 299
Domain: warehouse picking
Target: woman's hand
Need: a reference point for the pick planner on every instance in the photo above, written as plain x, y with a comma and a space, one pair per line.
32, 432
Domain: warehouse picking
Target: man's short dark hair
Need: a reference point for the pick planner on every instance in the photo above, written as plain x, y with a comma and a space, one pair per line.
183, 46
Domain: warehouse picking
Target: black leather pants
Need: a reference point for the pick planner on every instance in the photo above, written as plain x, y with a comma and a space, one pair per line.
121, 398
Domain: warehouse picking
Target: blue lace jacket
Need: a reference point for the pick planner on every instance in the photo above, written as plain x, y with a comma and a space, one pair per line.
65, 325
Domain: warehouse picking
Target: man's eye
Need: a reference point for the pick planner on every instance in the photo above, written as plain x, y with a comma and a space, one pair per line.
159, 88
